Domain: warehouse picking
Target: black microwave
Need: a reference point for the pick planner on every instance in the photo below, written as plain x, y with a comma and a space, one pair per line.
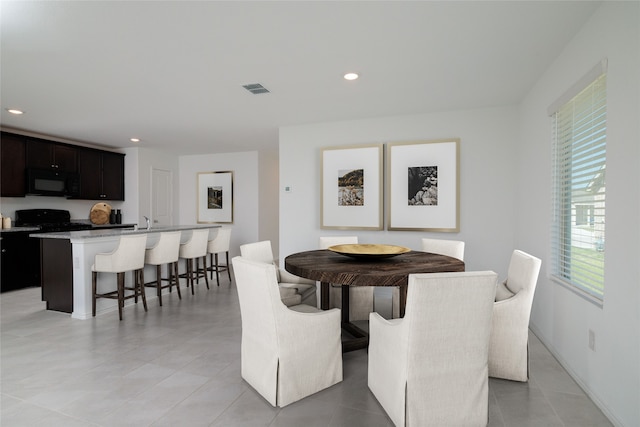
49, 182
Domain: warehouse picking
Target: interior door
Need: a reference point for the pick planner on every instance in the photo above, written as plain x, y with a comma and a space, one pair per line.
161, 197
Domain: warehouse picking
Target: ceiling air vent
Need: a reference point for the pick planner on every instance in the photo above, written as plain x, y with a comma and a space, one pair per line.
256, 88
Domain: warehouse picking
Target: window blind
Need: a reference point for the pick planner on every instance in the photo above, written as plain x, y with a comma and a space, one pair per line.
578, 226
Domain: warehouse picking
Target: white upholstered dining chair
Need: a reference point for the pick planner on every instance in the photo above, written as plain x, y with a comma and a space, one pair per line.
509, 344
430, 367
361, 298
452, 248
287, 353
293, 289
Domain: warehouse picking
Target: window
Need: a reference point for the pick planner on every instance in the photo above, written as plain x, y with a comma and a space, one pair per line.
578, 231
584, 214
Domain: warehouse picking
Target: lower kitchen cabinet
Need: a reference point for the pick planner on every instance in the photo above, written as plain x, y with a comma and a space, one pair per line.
20, 261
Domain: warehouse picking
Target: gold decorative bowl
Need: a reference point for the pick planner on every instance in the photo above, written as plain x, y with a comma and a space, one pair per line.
370, 251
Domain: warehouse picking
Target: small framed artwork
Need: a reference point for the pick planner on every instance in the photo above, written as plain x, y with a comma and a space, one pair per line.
215, 197
423, 185
351, 188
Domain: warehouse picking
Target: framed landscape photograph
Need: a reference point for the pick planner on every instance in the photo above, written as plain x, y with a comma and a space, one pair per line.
215, 197
423, 185
351, 187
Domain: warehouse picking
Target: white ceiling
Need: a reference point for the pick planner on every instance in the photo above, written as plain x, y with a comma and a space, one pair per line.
171, 73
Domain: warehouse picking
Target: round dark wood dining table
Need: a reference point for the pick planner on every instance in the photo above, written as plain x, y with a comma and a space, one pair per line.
329, 267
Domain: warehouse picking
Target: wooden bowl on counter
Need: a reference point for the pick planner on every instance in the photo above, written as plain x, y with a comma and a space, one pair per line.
99, 214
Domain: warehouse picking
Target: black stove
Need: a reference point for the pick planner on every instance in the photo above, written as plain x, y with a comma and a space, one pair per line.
49, 220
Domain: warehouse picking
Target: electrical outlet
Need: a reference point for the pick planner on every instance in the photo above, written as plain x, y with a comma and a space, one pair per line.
592, 340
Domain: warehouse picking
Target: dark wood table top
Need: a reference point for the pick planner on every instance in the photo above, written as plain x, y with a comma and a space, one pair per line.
327, 266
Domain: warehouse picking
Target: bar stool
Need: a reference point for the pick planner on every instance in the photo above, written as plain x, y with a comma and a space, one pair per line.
195, 248
165, 251
128, 256
215, 246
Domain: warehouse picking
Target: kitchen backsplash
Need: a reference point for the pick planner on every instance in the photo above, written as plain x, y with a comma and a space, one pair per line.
79, 209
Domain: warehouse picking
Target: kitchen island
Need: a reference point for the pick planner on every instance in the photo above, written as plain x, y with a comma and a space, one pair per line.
67, 258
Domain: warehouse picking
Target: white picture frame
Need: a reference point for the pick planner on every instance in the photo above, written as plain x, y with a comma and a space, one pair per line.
215, 197
423, 186
352, 187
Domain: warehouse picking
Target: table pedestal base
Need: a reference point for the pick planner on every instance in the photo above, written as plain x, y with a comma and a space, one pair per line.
360, 338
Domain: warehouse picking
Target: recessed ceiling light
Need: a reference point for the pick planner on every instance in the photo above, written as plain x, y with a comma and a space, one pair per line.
351, 76
14, 111
135, 139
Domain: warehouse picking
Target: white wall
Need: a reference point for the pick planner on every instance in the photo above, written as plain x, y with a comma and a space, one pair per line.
268, 215
611, 374
246, 188
79, 209
487, 185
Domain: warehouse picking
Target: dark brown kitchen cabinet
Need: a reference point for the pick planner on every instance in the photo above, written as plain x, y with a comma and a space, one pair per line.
101, 172
42, 154
12, 165
101, 175
20, 260
113, 175
57, 274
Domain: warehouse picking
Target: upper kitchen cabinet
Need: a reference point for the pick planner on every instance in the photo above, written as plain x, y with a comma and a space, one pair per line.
101, 172
43, 154
12, 165
101, 175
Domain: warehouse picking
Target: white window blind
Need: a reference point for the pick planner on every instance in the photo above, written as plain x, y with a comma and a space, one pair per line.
578, 226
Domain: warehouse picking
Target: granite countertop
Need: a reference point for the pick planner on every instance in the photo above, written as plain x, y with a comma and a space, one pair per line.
101, 227
113, 232
16, 229
95, 227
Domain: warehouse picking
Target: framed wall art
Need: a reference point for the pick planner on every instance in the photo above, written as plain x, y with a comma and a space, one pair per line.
351, 187
423, 185
215, 197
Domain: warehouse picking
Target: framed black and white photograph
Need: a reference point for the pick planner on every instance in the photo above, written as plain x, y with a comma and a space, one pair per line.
215, 197
423, 185
352, 187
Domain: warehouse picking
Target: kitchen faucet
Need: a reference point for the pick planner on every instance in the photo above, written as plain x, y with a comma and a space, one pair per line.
146, 218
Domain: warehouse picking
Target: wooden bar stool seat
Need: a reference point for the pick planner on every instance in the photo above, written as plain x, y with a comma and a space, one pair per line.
128, 256
165, 251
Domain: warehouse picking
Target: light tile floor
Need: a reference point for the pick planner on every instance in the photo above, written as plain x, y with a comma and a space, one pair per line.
179, 365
